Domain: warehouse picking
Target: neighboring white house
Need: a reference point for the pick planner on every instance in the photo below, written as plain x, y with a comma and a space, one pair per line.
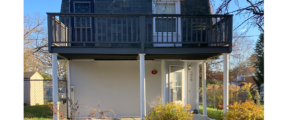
33, 88
262, 92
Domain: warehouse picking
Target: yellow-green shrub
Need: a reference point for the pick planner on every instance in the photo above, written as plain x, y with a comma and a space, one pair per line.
170, 111
245, 111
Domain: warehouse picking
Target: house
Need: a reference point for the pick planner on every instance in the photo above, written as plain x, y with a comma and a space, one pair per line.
33, 89
262, 92
124, 54
242, 79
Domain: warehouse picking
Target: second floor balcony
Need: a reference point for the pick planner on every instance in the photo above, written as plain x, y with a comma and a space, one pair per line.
72, 33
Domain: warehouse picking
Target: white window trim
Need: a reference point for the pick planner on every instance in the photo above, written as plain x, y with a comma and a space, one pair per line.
177, 11
75, 11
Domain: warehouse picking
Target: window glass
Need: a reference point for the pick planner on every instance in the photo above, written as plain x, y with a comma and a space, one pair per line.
176, 83
82, 8
165, 8
165, 24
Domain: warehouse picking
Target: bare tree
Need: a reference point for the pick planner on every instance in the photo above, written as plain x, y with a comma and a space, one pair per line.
253, 12
242, 50
34, 36
36, 56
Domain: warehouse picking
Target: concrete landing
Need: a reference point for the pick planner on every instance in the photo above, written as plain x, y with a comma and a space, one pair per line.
195, 117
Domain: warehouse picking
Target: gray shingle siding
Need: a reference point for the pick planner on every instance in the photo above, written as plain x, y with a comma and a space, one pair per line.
64, 6
193, 7
188, 7
123, 7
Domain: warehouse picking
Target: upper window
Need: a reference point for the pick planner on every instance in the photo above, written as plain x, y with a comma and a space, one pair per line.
165, 8
82, 7
165, 24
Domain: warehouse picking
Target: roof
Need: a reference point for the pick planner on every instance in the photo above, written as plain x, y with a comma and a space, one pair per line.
240, 76
27, 75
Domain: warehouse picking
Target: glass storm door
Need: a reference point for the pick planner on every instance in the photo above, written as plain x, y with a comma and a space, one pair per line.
176, 73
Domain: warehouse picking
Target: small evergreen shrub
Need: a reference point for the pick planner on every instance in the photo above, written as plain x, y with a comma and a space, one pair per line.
170, 111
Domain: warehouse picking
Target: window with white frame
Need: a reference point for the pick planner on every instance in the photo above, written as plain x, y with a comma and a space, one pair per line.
82, 7
165, 24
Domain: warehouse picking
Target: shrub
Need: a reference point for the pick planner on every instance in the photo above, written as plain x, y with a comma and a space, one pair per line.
245, 111
170, 111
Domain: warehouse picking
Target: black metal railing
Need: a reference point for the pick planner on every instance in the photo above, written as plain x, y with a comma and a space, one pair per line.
138, 30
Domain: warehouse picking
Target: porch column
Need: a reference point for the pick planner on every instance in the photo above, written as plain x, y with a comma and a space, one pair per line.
54, 84
142, 85
226, 82
203, 67
197, 85
68, 85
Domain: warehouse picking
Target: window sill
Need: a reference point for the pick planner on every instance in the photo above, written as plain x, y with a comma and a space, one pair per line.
165, 34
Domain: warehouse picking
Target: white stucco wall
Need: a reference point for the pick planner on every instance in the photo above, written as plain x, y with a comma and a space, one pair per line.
113, 85
193, 85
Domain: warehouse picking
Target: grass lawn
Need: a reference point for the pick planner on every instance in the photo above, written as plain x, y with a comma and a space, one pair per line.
41, 112
38, 119
212, 112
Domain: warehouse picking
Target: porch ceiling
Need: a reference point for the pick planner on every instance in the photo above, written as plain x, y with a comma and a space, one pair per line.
193, 56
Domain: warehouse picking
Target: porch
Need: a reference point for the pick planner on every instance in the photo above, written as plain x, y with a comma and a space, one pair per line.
126, 87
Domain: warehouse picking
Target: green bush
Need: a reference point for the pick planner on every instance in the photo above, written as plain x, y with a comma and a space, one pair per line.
170, 111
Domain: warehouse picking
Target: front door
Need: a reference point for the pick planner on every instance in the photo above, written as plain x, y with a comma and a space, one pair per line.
175, 94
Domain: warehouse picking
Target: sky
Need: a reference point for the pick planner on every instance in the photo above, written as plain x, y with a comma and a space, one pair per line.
41, 6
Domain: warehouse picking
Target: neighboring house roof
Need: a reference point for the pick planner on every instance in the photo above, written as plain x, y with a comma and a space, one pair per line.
240, 76
27, 75
32, 75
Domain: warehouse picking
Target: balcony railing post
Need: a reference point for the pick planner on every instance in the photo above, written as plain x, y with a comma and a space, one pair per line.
142, 32
230, 31
49, 26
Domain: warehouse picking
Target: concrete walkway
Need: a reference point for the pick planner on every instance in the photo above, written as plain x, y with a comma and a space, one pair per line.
195, 117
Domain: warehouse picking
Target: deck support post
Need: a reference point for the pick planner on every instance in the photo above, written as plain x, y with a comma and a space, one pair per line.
68, 86
203, 67
226, 82
142, 85
54, 85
